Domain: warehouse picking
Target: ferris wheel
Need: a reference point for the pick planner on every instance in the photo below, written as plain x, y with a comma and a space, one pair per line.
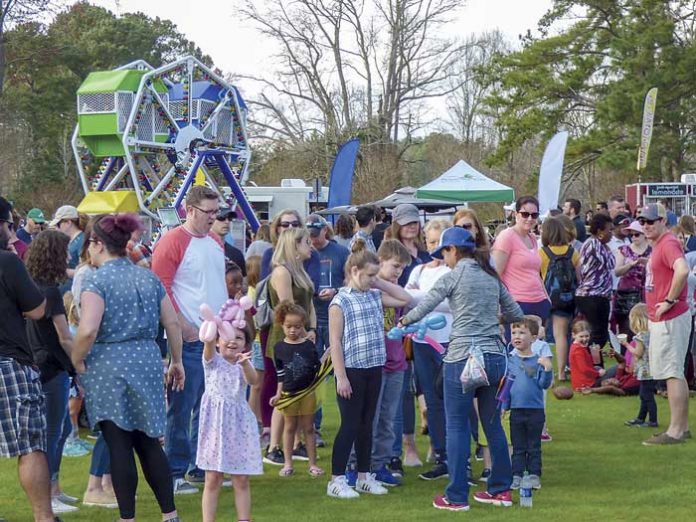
157, 131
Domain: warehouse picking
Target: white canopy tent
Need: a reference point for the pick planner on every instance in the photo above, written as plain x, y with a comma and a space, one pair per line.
462, 182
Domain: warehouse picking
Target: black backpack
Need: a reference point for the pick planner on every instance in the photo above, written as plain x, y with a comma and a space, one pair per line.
561, 281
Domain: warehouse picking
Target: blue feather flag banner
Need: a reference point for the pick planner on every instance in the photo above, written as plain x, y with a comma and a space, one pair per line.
551, 172
341, 179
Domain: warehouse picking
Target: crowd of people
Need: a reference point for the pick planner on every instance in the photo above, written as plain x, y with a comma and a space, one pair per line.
144, 342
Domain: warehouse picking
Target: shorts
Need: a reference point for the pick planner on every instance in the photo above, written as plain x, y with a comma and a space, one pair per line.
22, 416
257, 356
307, 405
669, 342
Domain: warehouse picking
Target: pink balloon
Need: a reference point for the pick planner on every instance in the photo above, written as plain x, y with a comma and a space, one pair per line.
207, 332
245, 303
226, 331
206, 313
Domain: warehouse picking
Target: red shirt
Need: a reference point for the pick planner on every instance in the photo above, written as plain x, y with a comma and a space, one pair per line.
583, 374
658, 277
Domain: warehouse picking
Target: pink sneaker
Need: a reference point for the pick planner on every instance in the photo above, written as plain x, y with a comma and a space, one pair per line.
545, 437
501, 499
440, 502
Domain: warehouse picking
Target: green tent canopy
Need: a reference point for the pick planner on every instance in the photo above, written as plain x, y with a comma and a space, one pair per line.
462, 182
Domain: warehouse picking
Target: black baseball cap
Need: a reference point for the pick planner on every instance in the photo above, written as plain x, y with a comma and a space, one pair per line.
224, 213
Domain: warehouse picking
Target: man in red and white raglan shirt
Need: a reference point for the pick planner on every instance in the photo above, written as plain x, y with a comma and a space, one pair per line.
669, 320
190, 262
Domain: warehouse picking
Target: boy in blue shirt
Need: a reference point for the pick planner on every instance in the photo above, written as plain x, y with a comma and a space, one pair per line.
532, 374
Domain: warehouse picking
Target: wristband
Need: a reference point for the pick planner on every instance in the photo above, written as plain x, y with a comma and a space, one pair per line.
670, 301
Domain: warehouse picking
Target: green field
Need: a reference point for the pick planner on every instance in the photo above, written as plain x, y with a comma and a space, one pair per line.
595, 469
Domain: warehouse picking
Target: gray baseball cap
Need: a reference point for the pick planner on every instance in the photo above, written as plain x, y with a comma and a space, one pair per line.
405, 213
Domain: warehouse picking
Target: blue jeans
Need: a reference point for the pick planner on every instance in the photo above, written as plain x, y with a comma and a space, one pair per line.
322, 345
458, 406
405, 420
101, 462
58, 425
181, 433
526, 425
427, 362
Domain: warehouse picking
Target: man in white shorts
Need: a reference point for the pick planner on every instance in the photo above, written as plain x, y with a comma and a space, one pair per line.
670, 320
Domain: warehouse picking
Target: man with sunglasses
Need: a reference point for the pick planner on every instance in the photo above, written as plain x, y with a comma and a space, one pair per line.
22, 415
669, 320
190, 262
221, 227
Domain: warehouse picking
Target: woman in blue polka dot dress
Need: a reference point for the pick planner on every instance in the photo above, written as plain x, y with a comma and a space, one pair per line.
115, 350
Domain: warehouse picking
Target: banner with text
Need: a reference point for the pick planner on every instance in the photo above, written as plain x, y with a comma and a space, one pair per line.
646, 130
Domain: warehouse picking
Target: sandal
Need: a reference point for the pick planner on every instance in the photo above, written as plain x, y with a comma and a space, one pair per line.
315, 471
286, 472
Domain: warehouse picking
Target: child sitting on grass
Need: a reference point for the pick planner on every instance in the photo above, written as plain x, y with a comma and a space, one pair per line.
584, 377
638, 321
532, 374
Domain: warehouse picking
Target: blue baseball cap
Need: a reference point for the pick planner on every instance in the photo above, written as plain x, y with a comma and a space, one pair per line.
456, 237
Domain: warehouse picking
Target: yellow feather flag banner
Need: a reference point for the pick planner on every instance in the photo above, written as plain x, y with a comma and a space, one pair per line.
646, 131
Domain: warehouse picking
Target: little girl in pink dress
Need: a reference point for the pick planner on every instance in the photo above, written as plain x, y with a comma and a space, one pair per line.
228, 438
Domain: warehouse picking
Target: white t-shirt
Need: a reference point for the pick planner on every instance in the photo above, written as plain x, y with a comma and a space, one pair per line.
192, 270
424, 278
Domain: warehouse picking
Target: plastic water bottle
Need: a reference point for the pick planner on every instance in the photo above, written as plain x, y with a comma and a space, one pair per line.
526, 492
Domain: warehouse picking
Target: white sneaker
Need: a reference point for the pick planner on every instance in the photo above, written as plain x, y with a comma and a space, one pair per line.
66, 499
339, 488
59, 507
370, 485
184, 487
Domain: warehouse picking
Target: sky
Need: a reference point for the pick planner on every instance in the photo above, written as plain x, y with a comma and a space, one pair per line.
235, 45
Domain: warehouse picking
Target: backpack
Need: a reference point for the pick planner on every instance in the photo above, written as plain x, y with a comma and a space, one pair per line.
561, 280
262, 303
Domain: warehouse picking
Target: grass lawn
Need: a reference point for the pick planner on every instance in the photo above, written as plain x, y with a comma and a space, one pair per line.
595, 469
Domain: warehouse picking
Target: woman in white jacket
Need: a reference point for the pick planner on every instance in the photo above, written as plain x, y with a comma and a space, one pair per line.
427, 361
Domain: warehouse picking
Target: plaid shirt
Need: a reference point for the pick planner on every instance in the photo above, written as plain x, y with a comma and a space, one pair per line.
363, 327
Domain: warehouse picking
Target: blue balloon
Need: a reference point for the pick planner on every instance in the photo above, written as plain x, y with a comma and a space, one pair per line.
435, 322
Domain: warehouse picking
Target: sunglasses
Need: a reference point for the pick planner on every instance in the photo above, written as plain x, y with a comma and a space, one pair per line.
223, 218
644, 221
635, 234
288, 224
466, 226
527, 215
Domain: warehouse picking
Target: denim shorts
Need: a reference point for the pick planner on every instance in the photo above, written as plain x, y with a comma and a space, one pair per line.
256, 356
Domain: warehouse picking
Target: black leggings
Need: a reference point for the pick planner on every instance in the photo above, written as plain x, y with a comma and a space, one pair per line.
124, 472
357, 414
648, 406
596, 311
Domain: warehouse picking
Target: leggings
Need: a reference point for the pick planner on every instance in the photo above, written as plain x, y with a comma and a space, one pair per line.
596, 311
648, 406
357, 415
124, 472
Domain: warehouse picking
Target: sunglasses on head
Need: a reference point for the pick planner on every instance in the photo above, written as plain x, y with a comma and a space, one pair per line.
527, 215
288, 224
466, 226
644, 221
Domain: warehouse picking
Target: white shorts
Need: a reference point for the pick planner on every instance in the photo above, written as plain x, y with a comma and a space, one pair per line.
669, 342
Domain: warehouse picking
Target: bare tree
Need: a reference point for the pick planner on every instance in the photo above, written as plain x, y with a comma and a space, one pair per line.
14, 12
466, 109
353, 65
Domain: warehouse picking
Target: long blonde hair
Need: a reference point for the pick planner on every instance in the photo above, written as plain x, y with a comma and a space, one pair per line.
286, 255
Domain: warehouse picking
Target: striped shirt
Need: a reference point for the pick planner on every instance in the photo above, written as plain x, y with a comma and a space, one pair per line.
596, 269
363, 327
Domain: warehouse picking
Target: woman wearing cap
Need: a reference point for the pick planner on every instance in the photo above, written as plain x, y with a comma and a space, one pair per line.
516, 258
476, 297
71, 223
630, 269
406, 228
593, 295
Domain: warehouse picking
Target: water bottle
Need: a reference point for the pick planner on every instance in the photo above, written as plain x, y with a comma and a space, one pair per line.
526, 492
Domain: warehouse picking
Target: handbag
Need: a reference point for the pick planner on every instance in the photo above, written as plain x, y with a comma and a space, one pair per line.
625, 300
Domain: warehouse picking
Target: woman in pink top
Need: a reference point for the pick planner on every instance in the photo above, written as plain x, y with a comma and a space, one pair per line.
516, 259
